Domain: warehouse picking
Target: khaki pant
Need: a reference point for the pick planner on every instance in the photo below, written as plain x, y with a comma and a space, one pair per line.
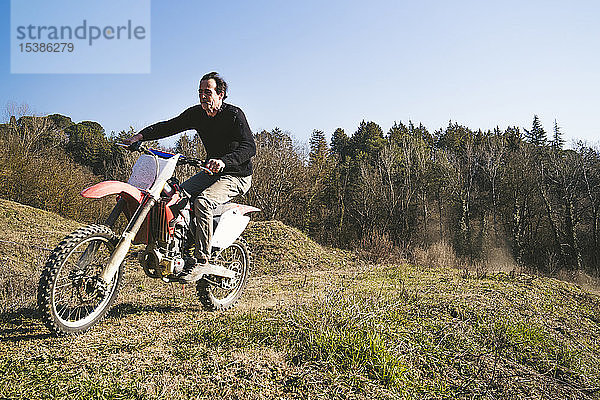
210, 191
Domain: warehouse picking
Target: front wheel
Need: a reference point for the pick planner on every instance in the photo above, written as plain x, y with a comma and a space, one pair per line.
71, 296
217, 293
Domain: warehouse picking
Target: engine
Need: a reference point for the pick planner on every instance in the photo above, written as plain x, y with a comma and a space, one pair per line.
166, 253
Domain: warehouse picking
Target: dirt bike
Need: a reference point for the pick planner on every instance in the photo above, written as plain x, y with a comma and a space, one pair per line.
81, 278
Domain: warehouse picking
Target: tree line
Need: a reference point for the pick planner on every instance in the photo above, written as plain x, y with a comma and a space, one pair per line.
407, 188
515, 189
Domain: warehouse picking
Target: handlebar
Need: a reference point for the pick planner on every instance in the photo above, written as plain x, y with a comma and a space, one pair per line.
183, 160
135, 146
194, 162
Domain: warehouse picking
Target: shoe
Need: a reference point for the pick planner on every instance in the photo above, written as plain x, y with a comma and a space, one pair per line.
192, 271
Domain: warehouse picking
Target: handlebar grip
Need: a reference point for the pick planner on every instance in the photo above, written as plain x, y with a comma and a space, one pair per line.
206, 170
194, 162
135, 146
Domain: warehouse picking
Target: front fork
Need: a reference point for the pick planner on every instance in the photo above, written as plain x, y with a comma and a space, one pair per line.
127, 237
85, 258
114, 214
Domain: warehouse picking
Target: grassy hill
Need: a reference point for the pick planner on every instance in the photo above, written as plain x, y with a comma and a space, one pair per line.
314, 323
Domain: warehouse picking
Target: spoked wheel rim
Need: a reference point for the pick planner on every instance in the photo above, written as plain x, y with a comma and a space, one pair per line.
78, 294
233, 258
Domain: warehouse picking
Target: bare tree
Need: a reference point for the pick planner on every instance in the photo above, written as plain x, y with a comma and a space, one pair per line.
13, 111
492, 159
278, 177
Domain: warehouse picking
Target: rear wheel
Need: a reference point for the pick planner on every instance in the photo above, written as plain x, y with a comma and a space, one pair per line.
71, 296
217, 293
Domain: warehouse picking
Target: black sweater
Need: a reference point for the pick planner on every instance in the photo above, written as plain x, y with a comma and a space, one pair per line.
225, 136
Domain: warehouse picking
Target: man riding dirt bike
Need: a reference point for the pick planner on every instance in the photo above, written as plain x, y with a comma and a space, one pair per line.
82, 276
229, 146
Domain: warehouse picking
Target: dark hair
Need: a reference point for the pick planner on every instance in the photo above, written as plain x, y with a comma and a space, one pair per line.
221, 84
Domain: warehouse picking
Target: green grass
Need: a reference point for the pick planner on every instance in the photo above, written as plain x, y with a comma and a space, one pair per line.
331, 329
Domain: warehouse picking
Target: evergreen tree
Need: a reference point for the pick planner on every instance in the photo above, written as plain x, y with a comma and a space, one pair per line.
88, 145
557, 141
340, 144
513, 137
366, 142
421, 132
537, 134
319, 152
397, 131
454, 137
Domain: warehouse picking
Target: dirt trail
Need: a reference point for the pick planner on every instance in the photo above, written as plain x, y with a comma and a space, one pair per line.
142, 299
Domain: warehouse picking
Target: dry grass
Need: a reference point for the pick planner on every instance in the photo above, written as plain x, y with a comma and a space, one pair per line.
352, 331
280, 248
377, 246
439, 254
27, 237
442, 255
369, 332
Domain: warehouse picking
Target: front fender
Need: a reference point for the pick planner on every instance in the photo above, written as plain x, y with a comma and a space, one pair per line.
106, 188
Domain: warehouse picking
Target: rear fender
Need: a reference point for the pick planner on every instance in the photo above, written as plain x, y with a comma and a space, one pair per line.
244, 209
241, 208
231, 225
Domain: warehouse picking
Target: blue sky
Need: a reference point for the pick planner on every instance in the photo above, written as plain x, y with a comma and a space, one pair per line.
322, 65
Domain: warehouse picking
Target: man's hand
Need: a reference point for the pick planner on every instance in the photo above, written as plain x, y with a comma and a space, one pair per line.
133, 139
215, 165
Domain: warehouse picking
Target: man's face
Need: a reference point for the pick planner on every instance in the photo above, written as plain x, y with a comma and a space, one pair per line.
209, 98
